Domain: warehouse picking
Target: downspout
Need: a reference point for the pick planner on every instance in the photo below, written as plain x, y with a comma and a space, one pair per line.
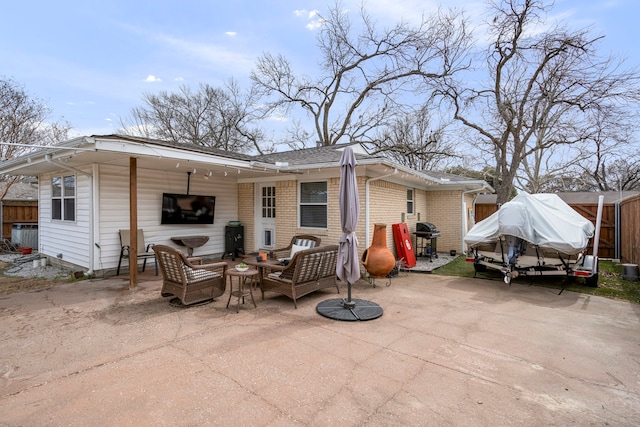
366, 203
48, 158
464, 214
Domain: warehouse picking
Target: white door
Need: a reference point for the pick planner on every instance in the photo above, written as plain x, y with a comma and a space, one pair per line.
266, 216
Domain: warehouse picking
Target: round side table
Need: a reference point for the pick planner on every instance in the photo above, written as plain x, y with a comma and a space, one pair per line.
245, 281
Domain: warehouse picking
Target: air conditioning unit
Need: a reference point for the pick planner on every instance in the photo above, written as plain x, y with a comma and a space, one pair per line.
25, 235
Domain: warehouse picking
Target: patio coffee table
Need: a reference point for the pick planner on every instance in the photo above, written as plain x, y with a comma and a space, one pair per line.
242, 279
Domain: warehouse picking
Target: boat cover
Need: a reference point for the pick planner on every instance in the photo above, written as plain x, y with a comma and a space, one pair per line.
544, 220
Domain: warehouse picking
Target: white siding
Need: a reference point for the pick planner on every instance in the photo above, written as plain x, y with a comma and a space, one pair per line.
111, 213
70, 239
114, 210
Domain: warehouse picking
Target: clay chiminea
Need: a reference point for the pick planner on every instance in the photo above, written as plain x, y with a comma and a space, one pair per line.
377, 258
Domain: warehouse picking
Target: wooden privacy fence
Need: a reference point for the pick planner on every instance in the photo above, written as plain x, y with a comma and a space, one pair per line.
18, 211
630, 230
606, 246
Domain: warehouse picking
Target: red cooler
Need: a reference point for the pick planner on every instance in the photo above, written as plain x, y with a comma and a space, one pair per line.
403, 244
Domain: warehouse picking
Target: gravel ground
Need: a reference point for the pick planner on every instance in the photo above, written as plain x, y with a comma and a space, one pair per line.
22, 266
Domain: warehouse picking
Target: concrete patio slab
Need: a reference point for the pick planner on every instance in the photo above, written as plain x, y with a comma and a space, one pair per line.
447, 351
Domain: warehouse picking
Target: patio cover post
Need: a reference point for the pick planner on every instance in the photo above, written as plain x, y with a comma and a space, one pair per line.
133, 222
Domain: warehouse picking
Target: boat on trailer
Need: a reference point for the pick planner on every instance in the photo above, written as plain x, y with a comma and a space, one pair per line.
536, 235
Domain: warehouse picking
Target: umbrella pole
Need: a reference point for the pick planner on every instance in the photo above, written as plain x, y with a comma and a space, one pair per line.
348, 304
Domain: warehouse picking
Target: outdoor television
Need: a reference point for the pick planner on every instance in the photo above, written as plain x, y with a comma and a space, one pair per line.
187, 209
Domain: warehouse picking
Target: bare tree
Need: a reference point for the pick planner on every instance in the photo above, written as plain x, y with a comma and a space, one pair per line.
24, 120
221, 118
540, 87
414, 140
363, 75
613, 163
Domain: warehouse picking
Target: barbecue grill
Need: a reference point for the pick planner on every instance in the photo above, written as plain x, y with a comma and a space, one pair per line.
427, 230
426, 240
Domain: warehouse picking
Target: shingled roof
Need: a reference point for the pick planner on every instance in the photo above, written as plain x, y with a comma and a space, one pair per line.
306, 156
20, 191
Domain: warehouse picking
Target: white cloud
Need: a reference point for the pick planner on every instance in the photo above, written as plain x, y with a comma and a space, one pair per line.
152, 79
231, 33
179, 79
278, 117
219, 55
315, 24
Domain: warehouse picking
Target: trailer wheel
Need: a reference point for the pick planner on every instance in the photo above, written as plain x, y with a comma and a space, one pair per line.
479, 268
592, 281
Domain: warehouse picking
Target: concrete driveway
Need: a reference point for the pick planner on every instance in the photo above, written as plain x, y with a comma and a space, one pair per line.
447, 351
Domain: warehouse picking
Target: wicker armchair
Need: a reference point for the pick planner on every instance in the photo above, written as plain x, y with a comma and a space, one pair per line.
306, 240
188, 282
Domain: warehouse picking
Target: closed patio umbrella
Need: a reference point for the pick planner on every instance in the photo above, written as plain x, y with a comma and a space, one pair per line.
348, 267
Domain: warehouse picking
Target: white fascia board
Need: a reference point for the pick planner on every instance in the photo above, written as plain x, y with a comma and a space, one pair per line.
36, 157
176, 153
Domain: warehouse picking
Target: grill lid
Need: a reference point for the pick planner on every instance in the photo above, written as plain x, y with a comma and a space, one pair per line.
426, 227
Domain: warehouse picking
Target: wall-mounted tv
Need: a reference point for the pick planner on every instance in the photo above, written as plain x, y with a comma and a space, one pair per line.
187, 209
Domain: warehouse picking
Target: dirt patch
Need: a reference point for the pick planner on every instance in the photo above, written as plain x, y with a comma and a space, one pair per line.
12, 284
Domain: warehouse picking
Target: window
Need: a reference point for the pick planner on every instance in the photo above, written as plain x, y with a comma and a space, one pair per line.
267, 238
63, 198
268, 202
313, 204
410, 201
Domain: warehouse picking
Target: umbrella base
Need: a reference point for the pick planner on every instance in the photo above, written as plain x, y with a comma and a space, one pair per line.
349, 310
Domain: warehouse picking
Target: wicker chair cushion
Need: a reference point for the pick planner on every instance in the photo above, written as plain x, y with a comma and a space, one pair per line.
295, 249
195, 275
308, 244
279, 276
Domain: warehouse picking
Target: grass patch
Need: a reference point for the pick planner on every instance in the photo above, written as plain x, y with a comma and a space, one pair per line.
610, 281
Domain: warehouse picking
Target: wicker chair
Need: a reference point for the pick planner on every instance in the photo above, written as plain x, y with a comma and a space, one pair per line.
309, 270
306, 240
188, 282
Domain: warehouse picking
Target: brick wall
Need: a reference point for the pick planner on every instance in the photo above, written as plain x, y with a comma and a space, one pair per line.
388, 201
444, 211
287, 213
246, 214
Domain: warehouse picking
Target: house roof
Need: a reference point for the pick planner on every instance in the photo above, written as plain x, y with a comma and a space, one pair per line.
163, 155
20, 191
315, 155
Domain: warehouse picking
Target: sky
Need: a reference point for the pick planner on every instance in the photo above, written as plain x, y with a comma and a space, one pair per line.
91, 62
